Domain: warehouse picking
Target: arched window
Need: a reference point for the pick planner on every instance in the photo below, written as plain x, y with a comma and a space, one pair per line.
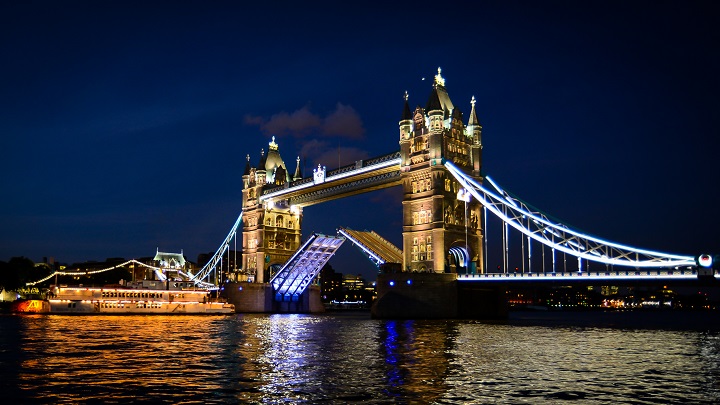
279, 221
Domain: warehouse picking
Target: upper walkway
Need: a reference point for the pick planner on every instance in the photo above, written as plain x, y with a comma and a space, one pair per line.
359, 177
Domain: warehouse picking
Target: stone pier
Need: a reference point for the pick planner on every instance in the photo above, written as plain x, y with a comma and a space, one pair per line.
435, 296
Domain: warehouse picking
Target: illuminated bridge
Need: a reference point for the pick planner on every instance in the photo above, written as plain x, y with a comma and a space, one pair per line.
448, 200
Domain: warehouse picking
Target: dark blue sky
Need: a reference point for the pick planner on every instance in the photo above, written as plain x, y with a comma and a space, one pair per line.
125, 125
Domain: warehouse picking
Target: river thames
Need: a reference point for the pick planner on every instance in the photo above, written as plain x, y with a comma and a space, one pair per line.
346, 358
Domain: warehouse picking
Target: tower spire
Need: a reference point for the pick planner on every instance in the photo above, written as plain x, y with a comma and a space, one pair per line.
474, 129
473, 115
407, 115
247, 166
439, 80
297, 175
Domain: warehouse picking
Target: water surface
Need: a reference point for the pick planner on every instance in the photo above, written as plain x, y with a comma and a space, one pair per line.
341, 358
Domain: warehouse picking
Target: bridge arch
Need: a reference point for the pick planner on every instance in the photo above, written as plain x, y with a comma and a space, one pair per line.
459, 257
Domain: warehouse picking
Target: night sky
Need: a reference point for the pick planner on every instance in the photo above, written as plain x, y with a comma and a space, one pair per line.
125, 125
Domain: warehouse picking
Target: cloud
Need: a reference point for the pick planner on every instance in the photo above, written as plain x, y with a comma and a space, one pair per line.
299, 123
313, 148
342, 122
253, 120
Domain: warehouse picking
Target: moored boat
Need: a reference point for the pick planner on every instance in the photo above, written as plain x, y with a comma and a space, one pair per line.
145, 297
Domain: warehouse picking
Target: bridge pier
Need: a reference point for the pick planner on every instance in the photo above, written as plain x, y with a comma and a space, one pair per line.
260, 298
435, 296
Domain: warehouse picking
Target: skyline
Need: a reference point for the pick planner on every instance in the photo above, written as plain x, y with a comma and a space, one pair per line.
126, 126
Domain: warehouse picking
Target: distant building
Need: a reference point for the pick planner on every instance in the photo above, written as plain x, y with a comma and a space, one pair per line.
353, 282
331, 284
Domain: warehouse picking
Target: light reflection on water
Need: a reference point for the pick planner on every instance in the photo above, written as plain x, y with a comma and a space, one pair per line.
347, 358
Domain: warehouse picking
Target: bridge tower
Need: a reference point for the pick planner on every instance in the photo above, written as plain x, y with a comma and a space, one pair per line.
271, 230
442, 233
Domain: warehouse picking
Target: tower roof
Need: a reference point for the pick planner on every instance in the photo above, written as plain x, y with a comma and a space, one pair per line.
473, 115
439, 99
434, 101
261, 165
273, 162
457, 114
407, 114
247, 167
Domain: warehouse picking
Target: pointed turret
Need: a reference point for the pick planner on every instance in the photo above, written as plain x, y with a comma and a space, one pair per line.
261, 165
246, 173
247, 166
474, 129
474, 132
433, 103
298, 174
280, 176
406, 121
261, 173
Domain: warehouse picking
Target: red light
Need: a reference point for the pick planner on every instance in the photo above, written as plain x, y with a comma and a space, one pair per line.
705, 260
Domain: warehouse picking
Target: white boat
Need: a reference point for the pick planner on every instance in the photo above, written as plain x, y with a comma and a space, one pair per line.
145, 297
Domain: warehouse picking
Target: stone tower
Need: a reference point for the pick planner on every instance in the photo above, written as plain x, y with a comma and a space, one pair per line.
271, 231
441, 232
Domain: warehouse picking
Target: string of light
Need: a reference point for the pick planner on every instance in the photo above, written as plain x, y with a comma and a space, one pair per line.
89, 272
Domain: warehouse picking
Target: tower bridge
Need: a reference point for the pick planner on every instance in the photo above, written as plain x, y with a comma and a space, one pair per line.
441, 268
445, 204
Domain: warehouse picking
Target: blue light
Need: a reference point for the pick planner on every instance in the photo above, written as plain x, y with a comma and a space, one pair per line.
239, 288
409, 282
392, 283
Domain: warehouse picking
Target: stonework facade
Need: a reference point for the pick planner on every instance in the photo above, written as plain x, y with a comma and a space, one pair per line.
271, 230
441, 232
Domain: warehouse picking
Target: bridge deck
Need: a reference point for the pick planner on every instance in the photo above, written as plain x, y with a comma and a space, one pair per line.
614, 275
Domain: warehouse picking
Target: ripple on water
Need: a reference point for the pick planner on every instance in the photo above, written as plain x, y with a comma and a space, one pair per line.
335, 358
